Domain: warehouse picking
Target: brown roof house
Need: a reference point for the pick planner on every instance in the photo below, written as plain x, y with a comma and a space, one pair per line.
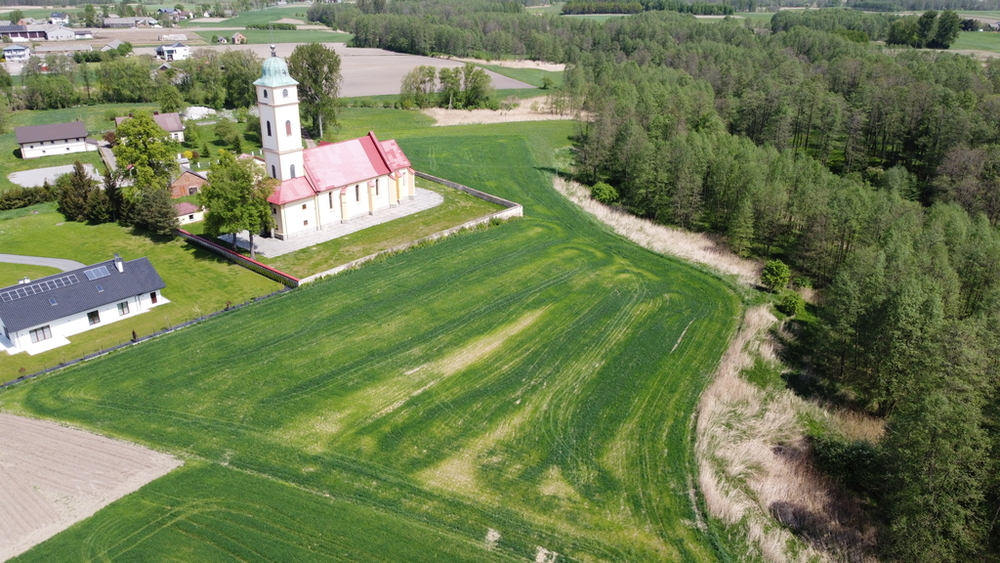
188, 213
188, 183
56, 138
239, 38
169, 122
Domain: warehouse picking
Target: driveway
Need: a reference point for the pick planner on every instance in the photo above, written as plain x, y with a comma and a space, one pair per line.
35, 178
58, 263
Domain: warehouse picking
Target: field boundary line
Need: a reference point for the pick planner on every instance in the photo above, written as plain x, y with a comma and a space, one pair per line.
511, 210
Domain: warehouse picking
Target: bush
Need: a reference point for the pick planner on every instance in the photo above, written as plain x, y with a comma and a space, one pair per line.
791, 304
604, 193
854, 464
775, 275
16, 198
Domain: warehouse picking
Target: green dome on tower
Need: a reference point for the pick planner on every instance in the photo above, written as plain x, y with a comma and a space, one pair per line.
275, 72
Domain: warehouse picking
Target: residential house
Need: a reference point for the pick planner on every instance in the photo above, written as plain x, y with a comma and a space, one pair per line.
40, 315
188, 183
188, 213
59, 18
56, 138
239, 38
16, 53
169, 122
176, 52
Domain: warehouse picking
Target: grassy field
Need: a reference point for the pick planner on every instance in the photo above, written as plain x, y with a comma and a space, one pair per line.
531, 76
526, 387
10, 274
244, 19
266, 36
981, 41
198, 282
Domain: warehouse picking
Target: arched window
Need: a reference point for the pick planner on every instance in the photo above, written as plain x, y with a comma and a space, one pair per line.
265, 94
288, 127
292, 170
268, 128
284, 93
274, 172
357, 192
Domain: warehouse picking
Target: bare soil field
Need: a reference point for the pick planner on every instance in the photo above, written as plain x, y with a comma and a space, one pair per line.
52, 476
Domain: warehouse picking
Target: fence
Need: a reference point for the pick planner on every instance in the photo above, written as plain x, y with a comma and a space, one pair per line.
248, 263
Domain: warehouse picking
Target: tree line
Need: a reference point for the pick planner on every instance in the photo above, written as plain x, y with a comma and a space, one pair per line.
636, 6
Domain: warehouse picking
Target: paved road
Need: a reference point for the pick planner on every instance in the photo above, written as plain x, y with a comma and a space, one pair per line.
60, 263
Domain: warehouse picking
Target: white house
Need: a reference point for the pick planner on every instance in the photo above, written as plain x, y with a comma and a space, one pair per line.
169, 122
39, 315
57, 138
187, 213
16, 53
176, 52
328, 184
59, 18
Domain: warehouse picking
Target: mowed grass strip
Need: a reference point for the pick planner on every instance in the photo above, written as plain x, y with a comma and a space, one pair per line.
536, 379
10, 274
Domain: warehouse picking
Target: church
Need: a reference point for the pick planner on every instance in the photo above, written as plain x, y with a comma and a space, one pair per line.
328, 184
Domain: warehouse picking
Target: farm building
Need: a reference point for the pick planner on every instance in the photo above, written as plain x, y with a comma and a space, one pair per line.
328, 184
39, 315
56, 138
16, 53
188, 183
176, 52
239, 38
169, 122
59, 33
113, 45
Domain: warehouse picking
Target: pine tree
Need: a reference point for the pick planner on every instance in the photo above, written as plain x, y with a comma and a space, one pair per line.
74, 190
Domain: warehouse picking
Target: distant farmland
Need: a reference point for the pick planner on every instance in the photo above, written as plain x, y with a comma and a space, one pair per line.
503, 395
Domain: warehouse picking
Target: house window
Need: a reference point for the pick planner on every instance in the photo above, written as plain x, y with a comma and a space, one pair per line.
288, 127
152, 298
94, 317
357, 192
284, 93
291, 170
268, 128
123, 308
39, 334
191, 217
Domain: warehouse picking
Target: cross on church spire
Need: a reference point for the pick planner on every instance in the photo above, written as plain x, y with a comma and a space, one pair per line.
273, 53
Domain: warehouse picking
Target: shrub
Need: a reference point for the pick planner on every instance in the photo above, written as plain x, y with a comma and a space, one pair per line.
775, 275
791, 304
604, 193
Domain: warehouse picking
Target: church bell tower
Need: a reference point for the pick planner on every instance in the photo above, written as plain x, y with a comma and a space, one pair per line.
280, 131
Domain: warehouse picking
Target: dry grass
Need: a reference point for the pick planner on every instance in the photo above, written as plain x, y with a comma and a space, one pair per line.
531, 109
755, 464
695, 247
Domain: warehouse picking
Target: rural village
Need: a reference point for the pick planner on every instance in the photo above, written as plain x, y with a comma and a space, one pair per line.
500, 280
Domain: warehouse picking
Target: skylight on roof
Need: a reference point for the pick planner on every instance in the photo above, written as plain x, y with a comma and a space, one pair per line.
97, 273
52, 300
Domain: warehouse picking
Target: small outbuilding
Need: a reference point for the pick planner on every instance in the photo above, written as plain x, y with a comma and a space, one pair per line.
187, 213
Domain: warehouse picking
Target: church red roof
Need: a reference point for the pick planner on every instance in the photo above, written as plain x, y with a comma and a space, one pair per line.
337, 165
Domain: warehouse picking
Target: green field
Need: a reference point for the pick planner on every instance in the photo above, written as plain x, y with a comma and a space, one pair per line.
244, 19
531, 76
981, 41
10, 274
537, 379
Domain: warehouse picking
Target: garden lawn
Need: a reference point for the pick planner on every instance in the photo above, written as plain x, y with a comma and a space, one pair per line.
197, 281
458, 207
502, 395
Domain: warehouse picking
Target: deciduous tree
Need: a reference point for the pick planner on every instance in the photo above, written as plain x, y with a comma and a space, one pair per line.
235, 198
317, 69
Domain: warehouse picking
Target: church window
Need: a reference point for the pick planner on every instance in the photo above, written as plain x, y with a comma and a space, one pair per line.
274, 173
288, 127
376, 186
357, 192
303, 206
265, 94
284, 93
305, 223
331, 199
292, 170
268, 128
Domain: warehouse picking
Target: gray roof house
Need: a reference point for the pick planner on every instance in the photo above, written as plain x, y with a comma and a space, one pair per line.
55, 138
39, 315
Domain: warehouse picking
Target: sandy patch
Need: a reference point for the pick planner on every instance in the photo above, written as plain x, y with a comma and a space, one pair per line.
696, 247
52, 476
540, 65
531, 109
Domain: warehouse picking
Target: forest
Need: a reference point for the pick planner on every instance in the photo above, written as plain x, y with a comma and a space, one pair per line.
873, 171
